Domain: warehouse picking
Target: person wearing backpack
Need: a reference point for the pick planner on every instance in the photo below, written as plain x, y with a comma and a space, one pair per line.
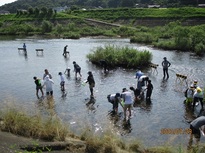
189, 95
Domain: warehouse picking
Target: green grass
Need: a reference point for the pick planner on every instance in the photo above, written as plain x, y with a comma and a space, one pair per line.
132, 13
121, 56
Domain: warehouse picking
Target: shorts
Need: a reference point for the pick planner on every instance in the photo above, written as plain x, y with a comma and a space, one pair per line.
77, 70
115, 104
92, 85
62, 83
38, 87
127, 106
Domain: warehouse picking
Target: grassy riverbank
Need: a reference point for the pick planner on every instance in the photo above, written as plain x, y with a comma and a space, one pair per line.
170, 35
52, 129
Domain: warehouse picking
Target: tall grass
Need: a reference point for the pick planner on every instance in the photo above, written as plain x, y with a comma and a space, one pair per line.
121, 56
20, 123
50, 129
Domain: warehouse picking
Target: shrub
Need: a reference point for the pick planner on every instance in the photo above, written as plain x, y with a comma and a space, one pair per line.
200, 49
146, 38
121, 56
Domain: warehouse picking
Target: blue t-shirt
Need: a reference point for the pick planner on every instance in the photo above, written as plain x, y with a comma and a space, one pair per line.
139, 74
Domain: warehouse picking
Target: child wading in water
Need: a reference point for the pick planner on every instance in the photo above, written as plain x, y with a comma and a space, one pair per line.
38, 86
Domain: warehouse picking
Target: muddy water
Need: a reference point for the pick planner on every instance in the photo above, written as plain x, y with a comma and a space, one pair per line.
165, 111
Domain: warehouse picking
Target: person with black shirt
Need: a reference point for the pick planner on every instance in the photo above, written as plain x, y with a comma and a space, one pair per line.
91, 82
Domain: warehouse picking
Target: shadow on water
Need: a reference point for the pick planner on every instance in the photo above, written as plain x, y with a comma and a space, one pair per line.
123, 126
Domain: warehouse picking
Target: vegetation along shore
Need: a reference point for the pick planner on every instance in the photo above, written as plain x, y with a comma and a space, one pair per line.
175, 29
171, 28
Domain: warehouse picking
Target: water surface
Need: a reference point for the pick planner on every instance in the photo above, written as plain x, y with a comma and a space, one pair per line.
165, 111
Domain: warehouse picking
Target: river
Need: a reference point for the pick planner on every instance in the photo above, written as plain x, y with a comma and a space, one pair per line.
165, 111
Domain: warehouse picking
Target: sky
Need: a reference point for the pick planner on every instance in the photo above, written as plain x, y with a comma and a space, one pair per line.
2, 2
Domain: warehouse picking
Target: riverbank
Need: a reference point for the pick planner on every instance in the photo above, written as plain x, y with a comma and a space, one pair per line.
10, 143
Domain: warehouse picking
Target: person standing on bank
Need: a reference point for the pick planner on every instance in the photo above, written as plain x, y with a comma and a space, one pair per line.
38, 86
165, 65
91, 82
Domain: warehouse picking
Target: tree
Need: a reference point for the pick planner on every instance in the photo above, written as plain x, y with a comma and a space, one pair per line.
127, 3
30, 10
44, 10
36, 11
46, 27
50, 12
113, 3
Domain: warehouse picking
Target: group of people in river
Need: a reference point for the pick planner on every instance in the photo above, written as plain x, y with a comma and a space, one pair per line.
125, 98
47, 81
193, 94
143, 84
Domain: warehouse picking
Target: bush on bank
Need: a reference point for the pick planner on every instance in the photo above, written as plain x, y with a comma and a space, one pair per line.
174, 36
121, 56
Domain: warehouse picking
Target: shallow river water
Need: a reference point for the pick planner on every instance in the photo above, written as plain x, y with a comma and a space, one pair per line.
166, 110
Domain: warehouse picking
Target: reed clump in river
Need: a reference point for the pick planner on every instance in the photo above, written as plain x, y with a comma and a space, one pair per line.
116, 56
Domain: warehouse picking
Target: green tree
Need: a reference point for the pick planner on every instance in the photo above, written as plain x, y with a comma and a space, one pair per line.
46, 27
182, 40
36, 11
44, 10
113, 3
127, 3
50, 12
30, 11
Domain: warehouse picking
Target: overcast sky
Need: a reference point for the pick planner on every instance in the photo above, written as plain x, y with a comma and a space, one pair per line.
2, 2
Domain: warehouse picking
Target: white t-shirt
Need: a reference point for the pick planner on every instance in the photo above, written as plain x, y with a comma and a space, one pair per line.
62, 78
48, 83
127, 96
142, 77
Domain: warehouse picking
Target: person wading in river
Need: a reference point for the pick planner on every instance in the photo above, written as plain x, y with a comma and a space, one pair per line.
165, 65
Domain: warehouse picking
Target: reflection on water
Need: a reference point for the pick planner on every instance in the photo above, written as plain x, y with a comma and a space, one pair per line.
166, 109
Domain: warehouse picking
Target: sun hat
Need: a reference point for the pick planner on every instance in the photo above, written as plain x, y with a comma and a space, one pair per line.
198, 89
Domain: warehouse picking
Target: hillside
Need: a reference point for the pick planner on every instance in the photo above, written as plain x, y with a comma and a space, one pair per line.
93, 4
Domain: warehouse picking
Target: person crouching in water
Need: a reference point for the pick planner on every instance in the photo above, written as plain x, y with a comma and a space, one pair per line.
115, 99
143, 80
189, 95
139, 95
198, 96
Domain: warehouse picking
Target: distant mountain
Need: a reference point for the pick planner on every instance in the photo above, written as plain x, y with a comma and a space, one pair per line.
26, 4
